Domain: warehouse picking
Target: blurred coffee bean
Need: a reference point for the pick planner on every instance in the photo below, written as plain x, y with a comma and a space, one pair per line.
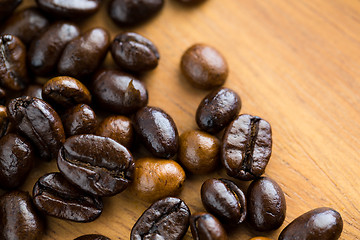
260, 238
33, 90
7, 7
2, 96
80, 119
204, 226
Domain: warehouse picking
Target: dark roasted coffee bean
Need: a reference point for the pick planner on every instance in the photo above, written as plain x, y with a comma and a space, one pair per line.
33, 90
97, 165
158, 131
13, 72
45, 50
119, 92
133, 52
130, 12
266, 205
217, 110
224, 199
4, 121
19, 219
246, 147
92, 237
57, 197
39, 122
7, 7
80, 119
204, 226
84, 54
167, 218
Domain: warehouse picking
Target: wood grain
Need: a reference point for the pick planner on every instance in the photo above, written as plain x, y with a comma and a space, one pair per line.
294, 63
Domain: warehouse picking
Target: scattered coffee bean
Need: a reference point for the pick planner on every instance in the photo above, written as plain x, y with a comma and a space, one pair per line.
92, 237
4, 121
33, 90
204, 226
80, 119
7, 7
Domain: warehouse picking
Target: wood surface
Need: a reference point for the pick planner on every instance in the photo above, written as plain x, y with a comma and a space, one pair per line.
294, 63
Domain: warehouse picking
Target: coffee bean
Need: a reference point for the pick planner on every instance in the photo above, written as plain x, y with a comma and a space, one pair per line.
158, 131
225, 200
92, 237
33, 90
2, 96
260, 238
57, 197
133, 52
246, 147
167, 218
80, 119
266, 205
217, 110
97, 165
4, 121
7, 7
204, 226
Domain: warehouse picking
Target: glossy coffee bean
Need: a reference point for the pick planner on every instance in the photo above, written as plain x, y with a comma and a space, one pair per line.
33, 90
260, 238
97, 165
57, 197
133, 52
38, 121
18, 217
246, 147
46, 49
157, 178
13, 72
7, 7
119, 92
167, 218
266, 205
92, 237
320, 223
118, 128
26, 24
84, 54
199, 152
217, 110
131, 12
204, 67
80, 119
4, 121
225, 200
158, 131
204, 226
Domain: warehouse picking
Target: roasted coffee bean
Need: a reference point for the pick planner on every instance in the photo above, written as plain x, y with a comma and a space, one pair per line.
4, 121
167, 218
246, 147
199, 152
158, 131
13, 72
260, 238
218, 109
204, 67
45, 50
57, 197
7, 7
118, 128
33, 90
26, 24
2, 96
157, 178
78, 120
92, 237
131, 12
38, 121
204, 226
225, 200
19, 219
97, 165
320, 223
266, 205
119, 92
133, 52
84, 54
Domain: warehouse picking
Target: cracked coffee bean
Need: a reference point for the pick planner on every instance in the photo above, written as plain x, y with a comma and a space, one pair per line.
7, 7
80, 119
204, 226
92, 237
246, 147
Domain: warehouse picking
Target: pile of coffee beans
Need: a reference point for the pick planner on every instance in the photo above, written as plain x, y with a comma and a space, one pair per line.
58, 121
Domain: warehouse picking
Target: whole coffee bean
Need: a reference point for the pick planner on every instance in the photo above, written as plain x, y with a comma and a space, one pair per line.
84, 54
260, 238
158, 131
167, 218
16, 160
80, 119
45, 50
130, 12
199, 152
266, 205
224, 199
97, 165
57, 197
246, 147
133, 52
7, 7
157, 178
217, 110
118, 128
13, 72
19, 220
204, 226
204, 67
38, 121
33, 90
4, 121
320, 223
92, 237
119, 92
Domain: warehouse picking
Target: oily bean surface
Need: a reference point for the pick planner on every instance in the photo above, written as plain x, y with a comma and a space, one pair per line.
80, 119
33, 90
92, 237
7, 7
205, 226
4, 121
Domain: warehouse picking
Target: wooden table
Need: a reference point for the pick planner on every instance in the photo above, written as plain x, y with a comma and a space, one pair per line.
294, 63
